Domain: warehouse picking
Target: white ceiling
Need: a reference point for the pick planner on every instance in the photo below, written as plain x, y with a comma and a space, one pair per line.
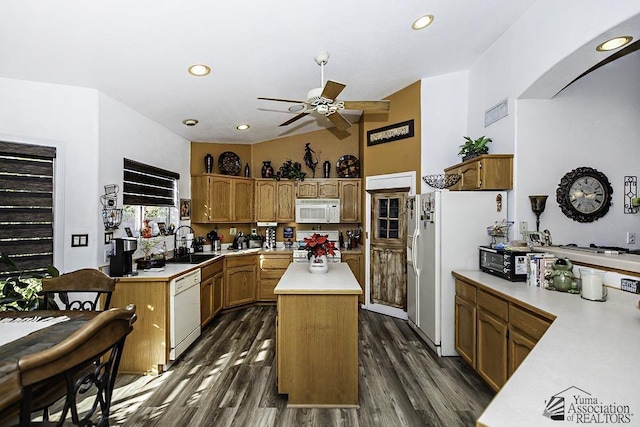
137, 52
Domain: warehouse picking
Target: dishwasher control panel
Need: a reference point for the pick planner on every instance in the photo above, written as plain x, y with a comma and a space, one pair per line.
182, 283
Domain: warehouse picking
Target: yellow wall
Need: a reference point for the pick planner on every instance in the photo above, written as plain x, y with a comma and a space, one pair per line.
396, 156
200, 149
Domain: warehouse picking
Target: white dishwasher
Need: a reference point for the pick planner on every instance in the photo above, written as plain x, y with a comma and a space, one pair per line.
185, 312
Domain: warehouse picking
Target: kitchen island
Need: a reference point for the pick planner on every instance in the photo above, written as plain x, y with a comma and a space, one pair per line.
317, 336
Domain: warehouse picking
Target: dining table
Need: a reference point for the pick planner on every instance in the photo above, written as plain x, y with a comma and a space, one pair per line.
54, 326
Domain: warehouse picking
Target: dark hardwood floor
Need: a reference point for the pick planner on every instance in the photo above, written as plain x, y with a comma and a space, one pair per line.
228, 379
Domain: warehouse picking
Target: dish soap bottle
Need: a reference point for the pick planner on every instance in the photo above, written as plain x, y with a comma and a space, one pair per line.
341, 241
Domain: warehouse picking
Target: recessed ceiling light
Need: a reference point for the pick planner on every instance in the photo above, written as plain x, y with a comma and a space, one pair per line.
243, 127
296, 108
614, 43
199, 70
190, 122
422, 22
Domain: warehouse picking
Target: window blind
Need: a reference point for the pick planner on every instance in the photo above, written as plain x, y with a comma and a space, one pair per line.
26, 206
146, 185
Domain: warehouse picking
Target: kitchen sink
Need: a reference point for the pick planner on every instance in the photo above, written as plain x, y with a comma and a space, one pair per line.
192, 258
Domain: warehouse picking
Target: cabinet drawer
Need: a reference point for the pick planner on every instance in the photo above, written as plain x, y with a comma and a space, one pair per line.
281, 263
466, 290
494, 305
240, 261
531, 324
271, 274
211, 269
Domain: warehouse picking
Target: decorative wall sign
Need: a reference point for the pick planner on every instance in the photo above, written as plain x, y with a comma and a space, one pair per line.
630, 191
390, 133
497, 112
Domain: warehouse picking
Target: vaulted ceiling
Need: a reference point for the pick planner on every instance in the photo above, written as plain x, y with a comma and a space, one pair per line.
138, 52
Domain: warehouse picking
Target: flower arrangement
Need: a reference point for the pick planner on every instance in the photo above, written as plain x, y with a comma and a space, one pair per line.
318, 245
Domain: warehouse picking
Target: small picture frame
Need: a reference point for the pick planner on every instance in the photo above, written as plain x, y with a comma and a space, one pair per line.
534, 238
185, 209
163, 228
127, 230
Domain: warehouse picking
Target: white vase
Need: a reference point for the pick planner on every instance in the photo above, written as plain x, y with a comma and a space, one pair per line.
318, 264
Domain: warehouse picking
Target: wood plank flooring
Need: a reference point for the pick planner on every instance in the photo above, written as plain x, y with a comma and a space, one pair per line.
228, 379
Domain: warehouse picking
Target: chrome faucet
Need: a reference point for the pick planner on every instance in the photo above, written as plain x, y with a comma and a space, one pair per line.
175, 239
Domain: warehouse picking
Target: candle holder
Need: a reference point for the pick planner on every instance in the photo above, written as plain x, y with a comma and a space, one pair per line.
538, 203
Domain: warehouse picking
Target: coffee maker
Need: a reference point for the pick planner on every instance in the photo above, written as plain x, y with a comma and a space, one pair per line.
120, 262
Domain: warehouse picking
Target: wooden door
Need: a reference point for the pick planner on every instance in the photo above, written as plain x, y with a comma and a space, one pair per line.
220, 199
354, 261
328, 189
388, 252
265, 200
307, 190
465, 324
218, 292
243, 200
491, 360
519, 347
286, 197
350, 198
200, 199
206, 301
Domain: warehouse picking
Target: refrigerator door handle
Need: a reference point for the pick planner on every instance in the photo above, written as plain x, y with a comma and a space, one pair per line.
414, 259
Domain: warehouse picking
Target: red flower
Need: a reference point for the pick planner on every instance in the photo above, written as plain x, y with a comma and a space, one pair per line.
319, 245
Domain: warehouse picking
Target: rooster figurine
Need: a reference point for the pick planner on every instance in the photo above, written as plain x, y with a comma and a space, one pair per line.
310, 159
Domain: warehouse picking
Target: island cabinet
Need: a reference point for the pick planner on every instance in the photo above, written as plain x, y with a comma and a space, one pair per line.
239, 280
354, 261
485, 172
211, 291
220, 198
494, 333
275, 200
271, 268
317, 336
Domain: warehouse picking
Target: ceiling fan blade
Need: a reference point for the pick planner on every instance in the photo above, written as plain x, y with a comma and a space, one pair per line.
298, 117
338, 121
282, 100
332, 89
367, 105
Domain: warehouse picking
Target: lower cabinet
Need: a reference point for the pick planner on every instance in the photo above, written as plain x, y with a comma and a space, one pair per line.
271, 268
494, 333
354, 261
211, 289
239, 280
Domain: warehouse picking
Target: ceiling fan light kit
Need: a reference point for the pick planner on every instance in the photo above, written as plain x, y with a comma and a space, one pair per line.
323, 100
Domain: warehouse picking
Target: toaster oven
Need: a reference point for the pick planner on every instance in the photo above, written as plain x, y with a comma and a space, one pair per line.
509, 265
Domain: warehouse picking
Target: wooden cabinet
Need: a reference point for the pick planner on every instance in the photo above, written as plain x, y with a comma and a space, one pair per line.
465, 322
485, 172
350, 200
313, 188
211, 291
354, 261
275, 200
218, 198
494, 334
271, 268
239, 280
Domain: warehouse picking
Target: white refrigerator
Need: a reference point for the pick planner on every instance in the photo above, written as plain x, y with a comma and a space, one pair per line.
444, 230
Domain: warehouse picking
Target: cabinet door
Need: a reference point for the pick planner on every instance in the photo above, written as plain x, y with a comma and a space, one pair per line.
218, 292
286, 196
307, 190
328, 189
265, 200
240, 285
220, 199
470, 176
243, 200
354, 261
206, 301
200, 204
491, 362
519, 348
350, 201
465, 324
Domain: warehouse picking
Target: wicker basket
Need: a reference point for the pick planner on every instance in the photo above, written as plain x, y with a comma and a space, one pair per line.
442, 180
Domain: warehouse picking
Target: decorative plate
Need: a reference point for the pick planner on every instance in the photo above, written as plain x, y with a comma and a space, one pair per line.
229, 163
348, 166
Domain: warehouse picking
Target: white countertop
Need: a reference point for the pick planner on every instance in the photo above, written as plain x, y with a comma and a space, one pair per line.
625, 262
591, 345
298, 280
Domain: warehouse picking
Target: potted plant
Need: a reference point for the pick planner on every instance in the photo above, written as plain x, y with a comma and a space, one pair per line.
318, 247
22, 291
290, 170
150, 260
474, 147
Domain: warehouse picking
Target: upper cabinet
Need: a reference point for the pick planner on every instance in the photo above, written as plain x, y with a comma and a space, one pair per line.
485, 172
350, 200
219, 198
274, 200
316, 188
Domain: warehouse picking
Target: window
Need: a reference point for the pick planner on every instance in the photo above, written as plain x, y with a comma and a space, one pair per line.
388, 218
26, 206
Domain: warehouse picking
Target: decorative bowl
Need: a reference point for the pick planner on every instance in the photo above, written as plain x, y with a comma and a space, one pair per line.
442, 180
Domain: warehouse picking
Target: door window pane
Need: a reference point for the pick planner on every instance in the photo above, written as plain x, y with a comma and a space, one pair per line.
382, 208
393, 208
394, 231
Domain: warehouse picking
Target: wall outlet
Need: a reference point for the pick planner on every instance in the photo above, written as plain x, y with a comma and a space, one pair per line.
524, 227
107, 254
631, 237
232, 231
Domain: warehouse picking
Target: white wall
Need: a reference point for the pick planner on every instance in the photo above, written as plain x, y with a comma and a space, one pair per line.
443, 105
92, 133
594, 122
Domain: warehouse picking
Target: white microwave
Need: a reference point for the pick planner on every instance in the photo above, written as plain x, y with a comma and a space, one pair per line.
319, 211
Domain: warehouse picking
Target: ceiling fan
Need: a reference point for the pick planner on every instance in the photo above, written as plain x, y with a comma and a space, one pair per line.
323, 100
